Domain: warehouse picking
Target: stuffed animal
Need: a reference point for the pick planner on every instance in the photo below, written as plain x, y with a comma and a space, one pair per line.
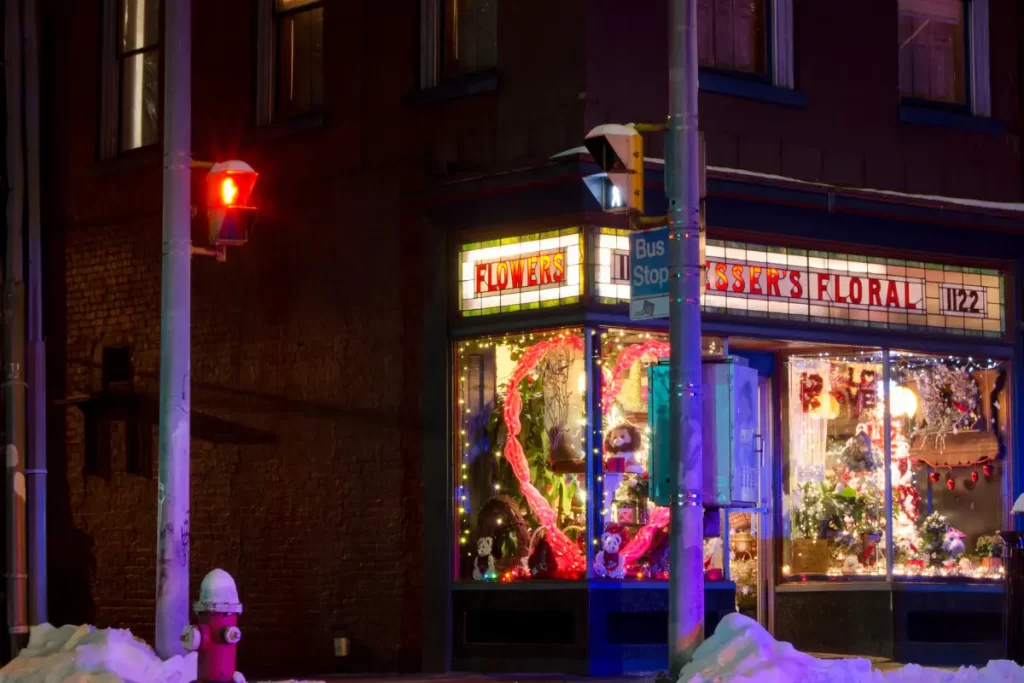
954, 542
483, 563
623, 444
851, 564
607, 562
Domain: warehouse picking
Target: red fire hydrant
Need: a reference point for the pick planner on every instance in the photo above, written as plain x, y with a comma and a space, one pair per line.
216, 633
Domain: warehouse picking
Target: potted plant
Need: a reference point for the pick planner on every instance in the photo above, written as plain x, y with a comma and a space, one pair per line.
812, 511
990, 549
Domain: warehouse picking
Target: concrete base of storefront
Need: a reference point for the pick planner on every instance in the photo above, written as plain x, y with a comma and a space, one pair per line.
927, 624
600, 629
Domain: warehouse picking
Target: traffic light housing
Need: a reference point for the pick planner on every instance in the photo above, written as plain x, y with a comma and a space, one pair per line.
619, 152
229, 187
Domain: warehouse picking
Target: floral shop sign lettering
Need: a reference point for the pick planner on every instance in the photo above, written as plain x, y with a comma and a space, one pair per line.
521, 271
815, 285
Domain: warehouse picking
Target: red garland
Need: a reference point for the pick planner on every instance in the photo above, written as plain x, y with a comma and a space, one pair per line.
641, 543
611, 383
568, 556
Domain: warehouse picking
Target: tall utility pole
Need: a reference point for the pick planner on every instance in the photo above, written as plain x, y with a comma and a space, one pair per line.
172, 589
35, 461
14, 340
682, 186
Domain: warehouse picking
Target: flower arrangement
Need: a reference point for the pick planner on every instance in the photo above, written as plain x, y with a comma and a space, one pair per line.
634, 488
940, 542
857, 454
950, 400
989, 546
744, 573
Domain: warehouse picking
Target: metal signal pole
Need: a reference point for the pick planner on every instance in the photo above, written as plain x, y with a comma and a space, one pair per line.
682, 187
172, 590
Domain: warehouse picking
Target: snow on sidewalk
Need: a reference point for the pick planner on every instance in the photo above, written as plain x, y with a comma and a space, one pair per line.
740, 651
83, 654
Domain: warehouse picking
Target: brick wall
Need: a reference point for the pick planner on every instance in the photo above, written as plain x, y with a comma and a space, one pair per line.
305, 450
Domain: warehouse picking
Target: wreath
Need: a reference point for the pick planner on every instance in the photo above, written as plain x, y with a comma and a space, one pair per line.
950, 400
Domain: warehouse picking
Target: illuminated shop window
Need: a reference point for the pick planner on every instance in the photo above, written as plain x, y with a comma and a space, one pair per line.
521, 468
520, 273
949, 455
833, 498
634, 541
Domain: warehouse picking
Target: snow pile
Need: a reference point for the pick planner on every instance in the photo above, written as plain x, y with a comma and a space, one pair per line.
740, 651
82, 654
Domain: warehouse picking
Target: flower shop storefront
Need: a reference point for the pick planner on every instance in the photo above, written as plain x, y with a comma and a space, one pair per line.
561, 558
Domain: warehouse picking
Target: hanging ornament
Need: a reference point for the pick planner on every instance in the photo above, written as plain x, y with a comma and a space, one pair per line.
949, 482
934, 476
903, 465
974, 476
987, 469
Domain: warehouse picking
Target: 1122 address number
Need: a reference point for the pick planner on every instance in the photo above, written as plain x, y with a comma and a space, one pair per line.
969, 301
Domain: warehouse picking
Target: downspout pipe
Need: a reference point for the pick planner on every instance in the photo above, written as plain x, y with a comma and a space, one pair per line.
14, 388
35, 464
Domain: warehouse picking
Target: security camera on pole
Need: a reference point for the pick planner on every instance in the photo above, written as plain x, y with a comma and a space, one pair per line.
618, 150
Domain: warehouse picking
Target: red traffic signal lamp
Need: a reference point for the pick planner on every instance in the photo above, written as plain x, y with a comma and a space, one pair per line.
229, 186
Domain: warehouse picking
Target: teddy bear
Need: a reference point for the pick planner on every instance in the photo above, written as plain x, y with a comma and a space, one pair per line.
483, 563
622, 444
608, 562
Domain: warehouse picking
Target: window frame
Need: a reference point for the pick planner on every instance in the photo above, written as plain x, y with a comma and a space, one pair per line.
767, 76
778, 84
976, 69
434, 50
112, 61
267, 18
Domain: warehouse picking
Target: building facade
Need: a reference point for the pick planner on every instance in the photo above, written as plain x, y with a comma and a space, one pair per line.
351, 364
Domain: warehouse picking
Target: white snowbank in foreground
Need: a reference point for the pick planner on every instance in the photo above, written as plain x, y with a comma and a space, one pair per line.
82, 654
740, 651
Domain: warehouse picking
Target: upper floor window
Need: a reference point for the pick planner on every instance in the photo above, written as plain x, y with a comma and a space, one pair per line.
731, 35
933, 65
458, 37
944, 53
131, 76
470, 30
290, 59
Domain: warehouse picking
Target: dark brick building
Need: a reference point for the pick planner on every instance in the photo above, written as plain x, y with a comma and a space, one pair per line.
320, 435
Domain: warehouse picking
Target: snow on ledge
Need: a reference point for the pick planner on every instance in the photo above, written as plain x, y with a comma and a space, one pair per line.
740, 651
1009, 207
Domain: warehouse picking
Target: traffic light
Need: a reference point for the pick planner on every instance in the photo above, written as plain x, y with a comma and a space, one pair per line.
619, 152
229, 186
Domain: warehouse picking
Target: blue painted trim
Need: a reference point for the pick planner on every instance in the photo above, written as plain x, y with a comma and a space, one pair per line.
750, 89
926, 116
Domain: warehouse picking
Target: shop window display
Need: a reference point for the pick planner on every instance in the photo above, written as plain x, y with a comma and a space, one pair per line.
833, 499
521, 472
946, 452
634, 543
949, 454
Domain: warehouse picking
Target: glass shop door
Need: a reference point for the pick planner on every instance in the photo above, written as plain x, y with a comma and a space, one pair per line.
749, 531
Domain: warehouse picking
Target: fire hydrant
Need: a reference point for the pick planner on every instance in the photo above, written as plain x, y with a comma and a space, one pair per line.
216, 633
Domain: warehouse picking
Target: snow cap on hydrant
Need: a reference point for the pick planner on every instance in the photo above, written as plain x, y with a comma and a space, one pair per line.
218, 593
